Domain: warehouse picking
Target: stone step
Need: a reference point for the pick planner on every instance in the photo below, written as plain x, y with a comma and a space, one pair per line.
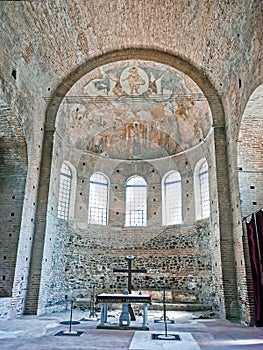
180, 307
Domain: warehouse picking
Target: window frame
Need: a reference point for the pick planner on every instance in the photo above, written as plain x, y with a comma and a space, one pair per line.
105, 208
201, 212
166, 218
143, 218
71, 192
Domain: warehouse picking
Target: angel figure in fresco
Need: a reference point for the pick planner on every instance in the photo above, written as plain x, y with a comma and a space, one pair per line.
135, 81
116, 87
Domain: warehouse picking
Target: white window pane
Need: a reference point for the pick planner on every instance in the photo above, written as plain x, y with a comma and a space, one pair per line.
64, 192
98, 200
136, 202
172, 200
204, 191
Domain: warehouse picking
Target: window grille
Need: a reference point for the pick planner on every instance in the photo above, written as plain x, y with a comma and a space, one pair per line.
172, 199
204, 191
98, 200
136, 202
64, 192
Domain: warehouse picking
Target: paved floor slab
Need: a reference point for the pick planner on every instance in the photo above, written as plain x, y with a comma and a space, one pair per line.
38, 333
144, 341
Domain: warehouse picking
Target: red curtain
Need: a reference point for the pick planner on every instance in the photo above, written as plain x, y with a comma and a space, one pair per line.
259, 221
255, 242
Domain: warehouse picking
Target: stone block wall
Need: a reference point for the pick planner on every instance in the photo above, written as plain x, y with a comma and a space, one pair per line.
4, 307
180, 256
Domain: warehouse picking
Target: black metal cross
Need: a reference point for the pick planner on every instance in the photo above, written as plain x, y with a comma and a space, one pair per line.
129, 258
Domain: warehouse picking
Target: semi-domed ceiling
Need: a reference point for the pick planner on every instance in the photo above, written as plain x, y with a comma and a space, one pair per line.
134, 110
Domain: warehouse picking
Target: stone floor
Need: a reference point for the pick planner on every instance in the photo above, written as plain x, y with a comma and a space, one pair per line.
38, 333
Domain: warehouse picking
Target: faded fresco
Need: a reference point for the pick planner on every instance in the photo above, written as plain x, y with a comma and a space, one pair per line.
134, 110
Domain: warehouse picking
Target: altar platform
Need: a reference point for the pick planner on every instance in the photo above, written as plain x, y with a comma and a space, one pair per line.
38, 333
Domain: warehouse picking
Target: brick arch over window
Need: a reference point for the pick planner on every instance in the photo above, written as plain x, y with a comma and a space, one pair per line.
172, 198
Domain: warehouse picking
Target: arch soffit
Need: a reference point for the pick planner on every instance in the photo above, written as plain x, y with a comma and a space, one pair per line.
251, 114
199, 165
176, 62
166, 175
136, 176
100, 173
71, 167
254, 103
253, 98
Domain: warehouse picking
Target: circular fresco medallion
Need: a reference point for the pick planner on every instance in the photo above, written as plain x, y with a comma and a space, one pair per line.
134, 81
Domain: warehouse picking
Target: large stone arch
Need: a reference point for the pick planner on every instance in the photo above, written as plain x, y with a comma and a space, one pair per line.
227, 293
138, 53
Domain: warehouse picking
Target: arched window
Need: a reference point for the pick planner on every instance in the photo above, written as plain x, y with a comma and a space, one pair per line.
202, 197
64, 192
172, 199
98, 199
136, 202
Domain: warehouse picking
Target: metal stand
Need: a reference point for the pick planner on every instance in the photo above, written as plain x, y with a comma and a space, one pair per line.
92, 310
70, 332
92, 303
164, 311
166, 336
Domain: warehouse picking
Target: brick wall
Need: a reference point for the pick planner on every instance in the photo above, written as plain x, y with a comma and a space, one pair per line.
13, 166
250, 159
